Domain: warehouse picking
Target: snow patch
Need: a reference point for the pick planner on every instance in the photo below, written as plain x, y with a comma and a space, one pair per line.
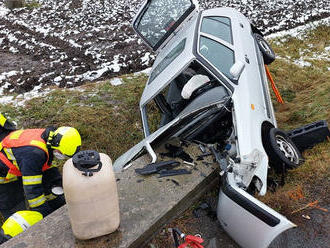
116, 81
3, 11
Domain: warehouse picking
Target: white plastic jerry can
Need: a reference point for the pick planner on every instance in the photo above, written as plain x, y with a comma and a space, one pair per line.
91, 194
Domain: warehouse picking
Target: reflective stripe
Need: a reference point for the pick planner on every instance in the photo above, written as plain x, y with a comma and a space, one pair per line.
38, 143
20, 220
4, 180
31, 180
2, 120
36, 202
50, 197
0, 146
9, 153
10, 156
16, 134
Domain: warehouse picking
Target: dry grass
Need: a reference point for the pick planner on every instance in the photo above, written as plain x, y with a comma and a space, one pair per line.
306, 91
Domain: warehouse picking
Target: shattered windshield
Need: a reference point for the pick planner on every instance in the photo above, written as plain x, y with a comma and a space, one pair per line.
159, 17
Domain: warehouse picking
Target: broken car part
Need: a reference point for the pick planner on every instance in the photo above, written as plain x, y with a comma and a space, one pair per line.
156, 167
307, 136
169, 173
176, 152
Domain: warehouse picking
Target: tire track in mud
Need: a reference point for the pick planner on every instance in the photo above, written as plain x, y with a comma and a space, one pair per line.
51, 48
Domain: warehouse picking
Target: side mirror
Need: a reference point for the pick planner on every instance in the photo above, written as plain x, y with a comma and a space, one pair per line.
237, 69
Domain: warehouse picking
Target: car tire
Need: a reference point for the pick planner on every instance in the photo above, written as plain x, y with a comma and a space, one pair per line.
282, 152
267, 52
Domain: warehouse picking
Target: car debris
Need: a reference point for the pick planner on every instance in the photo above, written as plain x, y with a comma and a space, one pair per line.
307, 217
175, 182
176, 152
307, 136
157, 167
170, 173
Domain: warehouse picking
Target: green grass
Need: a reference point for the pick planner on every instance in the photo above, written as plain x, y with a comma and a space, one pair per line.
32, 4
306, 92
107, 117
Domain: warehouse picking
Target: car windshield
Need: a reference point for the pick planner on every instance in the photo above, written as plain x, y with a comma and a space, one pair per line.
159, 17
175, 52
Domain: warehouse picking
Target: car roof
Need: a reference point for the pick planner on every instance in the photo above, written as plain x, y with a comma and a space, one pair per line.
176, 66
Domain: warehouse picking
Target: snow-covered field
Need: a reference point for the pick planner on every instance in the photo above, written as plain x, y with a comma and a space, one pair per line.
69, 42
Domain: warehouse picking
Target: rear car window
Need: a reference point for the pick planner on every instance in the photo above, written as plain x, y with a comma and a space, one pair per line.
217, 54
219, 27
175, 52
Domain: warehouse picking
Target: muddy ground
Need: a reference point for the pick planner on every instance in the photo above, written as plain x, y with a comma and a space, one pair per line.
67, 43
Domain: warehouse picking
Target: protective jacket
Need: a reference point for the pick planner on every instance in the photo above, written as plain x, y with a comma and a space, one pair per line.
24, 154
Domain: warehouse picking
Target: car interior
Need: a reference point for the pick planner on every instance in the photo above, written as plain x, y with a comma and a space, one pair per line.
185, 94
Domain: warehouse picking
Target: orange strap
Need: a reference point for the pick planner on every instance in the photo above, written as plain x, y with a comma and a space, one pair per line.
277, 93
12, 168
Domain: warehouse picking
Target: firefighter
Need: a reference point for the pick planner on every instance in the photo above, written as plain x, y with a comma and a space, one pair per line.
26, 171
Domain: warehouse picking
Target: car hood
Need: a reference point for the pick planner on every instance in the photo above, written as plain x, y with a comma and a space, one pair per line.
209, 100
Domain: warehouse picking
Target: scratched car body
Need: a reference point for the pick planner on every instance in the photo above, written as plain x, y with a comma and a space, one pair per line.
209, 85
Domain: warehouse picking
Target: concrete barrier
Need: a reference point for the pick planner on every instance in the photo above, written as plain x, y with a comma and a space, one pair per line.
146, 204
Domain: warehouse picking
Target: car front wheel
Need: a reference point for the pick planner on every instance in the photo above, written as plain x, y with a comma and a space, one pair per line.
266, 50
282, 151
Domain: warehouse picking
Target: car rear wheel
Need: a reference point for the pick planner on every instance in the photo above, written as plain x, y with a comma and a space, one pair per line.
282, 152
266, 50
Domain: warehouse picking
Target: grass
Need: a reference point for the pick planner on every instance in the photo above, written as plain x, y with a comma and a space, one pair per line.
32, 4
108, 117
306, 92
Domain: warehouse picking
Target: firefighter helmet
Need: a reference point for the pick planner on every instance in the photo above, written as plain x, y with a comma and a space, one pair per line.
67, 140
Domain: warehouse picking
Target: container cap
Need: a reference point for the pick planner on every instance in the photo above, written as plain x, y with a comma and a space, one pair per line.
85, 160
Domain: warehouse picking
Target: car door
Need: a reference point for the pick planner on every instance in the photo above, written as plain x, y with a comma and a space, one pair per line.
247, 220
157, 21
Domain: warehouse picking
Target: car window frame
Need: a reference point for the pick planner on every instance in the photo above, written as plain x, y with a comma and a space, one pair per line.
230, 27
223, 78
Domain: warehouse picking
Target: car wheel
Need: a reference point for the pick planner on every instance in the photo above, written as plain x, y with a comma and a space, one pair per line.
282, 152
266, 50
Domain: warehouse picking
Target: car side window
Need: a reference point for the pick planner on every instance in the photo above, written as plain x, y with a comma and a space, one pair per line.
217, 54
217, 26
175, 52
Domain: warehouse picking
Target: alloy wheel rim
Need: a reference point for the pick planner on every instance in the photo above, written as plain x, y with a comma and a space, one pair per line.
287, 149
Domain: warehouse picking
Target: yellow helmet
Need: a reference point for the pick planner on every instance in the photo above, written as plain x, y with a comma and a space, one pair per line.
20, 221
67, 140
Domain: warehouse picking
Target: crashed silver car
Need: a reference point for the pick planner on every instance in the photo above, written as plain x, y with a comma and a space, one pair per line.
208, 85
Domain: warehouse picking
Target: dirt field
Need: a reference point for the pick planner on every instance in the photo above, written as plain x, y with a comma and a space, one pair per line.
67, 43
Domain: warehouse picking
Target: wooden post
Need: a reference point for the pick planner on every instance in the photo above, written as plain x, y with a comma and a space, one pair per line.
11, 4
